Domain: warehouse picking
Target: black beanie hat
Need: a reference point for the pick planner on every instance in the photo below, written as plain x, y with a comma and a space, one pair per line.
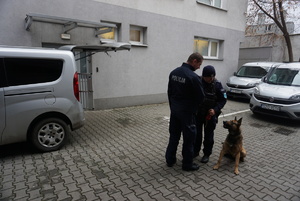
208, 71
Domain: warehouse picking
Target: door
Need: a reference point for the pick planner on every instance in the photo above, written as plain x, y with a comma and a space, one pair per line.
83, 55
84, 69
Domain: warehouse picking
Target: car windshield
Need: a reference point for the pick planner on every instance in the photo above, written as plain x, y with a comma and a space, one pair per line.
289, 77
251, 71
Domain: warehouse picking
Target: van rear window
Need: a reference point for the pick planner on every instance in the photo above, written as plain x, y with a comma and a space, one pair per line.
20, 71
2, 74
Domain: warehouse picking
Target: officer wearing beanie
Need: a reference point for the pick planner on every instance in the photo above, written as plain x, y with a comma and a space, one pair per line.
208, 112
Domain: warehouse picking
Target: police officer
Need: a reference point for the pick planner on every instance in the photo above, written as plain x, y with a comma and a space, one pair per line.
185, 93
208, 112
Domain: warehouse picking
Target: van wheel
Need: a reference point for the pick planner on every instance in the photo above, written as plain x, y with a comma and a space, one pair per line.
49, 134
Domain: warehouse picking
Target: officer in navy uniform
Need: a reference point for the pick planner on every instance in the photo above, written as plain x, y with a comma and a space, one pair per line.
185, 93
208, 112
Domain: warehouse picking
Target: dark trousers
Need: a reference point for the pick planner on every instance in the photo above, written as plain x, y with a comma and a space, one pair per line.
181, 122
208, 126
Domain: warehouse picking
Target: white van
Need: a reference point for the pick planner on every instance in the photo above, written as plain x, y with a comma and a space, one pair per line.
279, 93
242, 83
39, 96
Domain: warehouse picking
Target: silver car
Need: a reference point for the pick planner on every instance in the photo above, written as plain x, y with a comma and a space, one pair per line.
279, 93
242, 83
39, 97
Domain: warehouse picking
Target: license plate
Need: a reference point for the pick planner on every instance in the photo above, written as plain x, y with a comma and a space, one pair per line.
236, 91
270, 107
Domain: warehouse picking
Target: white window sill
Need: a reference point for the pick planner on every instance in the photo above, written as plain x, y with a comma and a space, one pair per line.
138, 44
104, 41
212, 58
222, 9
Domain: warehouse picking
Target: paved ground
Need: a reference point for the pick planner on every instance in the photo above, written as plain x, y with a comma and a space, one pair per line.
119, 155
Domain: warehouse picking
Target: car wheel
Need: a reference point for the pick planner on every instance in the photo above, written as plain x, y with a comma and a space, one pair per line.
49, 134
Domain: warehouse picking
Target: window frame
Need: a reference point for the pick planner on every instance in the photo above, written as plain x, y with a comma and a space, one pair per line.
212, 3
143, 31
210, 41
115, 34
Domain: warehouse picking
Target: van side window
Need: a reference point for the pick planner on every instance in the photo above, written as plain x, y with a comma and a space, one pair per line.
2, 74
20, 71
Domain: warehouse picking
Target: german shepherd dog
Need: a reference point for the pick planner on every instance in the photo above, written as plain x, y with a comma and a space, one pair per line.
233, 145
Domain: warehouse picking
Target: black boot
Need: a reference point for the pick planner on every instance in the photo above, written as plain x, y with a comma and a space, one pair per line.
205, 159
193, 167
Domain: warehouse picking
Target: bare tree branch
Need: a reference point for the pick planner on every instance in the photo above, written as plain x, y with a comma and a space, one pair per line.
275, 11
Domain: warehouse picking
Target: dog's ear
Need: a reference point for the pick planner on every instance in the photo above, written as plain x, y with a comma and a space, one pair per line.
240, 120
235, 118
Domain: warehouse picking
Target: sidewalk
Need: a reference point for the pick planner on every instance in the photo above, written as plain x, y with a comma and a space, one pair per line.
119, 155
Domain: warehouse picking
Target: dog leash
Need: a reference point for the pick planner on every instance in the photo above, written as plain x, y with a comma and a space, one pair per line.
207, 118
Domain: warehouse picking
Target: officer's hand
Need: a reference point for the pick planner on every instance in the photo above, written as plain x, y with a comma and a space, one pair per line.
211, 112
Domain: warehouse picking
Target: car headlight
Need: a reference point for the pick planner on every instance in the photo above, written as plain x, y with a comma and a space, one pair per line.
252, 84
256, 90
295, 97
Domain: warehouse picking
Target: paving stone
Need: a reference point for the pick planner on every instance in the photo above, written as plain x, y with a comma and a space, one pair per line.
77, 195
20, 194
138, 190
34, 194
7, 194
145, 196
90, 195
85, 187
72, 187
21, 199
59, 187
7, 185
20, 185
7, 178
63, 196
118, 196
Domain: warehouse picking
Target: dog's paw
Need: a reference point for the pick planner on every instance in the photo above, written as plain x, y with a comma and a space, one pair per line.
236, 172
216, 167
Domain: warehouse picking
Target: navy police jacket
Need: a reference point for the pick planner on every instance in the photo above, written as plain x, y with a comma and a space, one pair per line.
215, 97
185, 91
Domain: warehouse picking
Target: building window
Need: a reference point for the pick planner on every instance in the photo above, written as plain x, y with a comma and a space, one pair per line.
109, 35
137, 35
269, 28
207, 47
215, 3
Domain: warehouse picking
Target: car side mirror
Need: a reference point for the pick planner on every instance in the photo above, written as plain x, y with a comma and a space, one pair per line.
234, 73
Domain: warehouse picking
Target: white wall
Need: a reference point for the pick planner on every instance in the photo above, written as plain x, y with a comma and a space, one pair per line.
295, 40
190, 10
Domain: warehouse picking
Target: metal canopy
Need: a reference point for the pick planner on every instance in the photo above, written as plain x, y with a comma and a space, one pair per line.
68, 23
97, 48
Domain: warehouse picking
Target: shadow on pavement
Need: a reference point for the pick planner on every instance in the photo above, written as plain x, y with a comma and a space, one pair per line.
16, 149
243, 100
277, 120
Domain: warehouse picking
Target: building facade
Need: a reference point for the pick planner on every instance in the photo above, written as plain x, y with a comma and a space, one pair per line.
265, 42
162, 35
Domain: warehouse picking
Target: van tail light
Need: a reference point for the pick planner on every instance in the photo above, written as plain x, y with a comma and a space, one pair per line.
76, 86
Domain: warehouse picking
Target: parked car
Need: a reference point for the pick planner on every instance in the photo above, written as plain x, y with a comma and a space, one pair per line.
39, 97
279, 93
242, 83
